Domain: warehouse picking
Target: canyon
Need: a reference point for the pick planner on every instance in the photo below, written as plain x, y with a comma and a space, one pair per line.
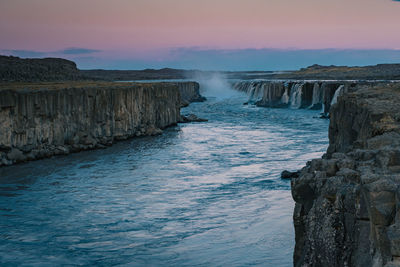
40, 120
347, 203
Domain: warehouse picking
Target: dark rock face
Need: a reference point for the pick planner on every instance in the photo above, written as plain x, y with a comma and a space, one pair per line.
347, 209
52, 119
190, 92
34, 70
289, 175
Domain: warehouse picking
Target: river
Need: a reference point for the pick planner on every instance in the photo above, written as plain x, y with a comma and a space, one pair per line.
200, 194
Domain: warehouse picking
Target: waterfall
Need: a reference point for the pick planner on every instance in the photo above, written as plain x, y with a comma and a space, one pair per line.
250, 91
338, 93
316, 97
285, 97
295, 95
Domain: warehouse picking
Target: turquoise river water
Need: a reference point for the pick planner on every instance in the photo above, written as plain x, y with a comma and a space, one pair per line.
200, 194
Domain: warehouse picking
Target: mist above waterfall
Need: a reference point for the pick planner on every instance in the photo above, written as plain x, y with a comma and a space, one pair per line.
215, 84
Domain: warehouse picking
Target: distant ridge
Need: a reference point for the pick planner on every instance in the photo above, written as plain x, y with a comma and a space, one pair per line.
376, 72
15, 69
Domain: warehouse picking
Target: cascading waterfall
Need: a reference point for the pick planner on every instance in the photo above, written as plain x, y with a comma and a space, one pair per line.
258, 94
338, 93
250, 91
316, 97
295, 96
285, 97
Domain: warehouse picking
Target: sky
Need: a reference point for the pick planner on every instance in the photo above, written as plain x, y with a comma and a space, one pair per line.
206, 34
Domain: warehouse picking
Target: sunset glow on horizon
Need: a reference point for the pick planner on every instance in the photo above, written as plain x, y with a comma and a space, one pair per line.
146, 29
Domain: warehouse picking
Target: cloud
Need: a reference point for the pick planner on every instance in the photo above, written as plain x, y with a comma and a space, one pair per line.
276, 59
218, 59
72, 51
24, 53
78, 51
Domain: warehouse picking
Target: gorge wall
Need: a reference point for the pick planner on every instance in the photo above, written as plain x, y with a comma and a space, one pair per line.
41, 120
318, 95
190, 92
347, 210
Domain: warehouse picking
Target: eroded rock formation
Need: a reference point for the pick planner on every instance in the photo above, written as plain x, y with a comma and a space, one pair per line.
41, 120
347, 209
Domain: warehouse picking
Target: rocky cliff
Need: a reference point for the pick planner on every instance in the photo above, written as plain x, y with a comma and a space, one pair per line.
41, 120
347, 209
190, 92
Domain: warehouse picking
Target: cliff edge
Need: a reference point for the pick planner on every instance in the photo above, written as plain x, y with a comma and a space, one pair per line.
347, 210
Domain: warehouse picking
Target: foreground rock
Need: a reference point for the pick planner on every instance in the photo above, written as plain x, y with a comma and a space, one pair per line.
191, 118
290, 175
347, 209
41, 120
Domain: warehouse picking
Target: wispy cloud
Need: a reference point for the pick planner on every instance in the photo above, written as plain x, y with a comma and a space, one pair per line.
218, 59
78, 51
72, 51
23, 53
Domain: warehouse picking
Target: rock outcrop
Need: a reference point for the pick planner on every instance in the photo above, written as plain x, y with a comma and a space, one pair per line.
34, 70
191, 118
347, 210
41, 120
190, 92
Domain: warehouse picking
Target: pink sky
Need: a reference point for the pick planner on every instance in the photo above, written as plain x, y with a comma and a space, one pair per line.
145, 25
214, 34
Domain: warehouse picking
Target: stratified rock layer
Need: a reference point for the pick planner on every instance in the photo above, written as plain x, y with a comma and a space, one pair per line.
41, 120
347, 209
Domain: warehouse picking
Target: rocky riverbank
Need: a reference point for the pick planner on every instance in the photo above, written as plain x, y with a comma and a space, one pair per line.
41, 120
347, 209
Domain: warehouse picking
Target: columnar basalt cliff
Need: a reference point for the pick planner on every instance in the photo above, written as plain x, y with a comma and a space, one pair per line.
318, 95
190, 92
41, 120
347, 209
